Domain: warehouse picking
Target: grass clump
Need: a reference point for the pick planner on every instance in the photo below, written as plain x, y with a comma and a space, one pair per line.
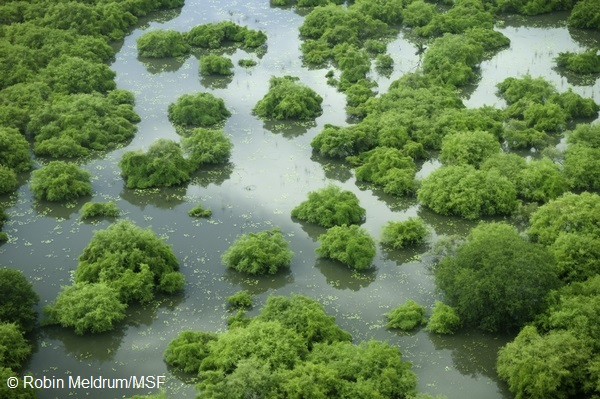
406, 316
240, 300
247, 63
94, 209
199, 212
213, 64
443, 320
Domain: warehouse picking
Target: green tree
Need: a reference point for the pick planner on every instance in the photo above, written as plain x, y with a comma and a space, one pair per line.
519, 136
264, 252
187, 351
581, 167
467, 192
132, 261
418, 13
207, 147
577, 256
287, 99
443, 320
587, 62
470, 148
14, 150
161, 44
216, 35
586, 15
351, 245
463, 15
14, 348
387, 167
95, 209
213, 64
506, 164
340, 142
17, 299
497, 280
412, 231
330, 206
162, 166
71, 75
541, 181
586, 134
199, 212
406, 316
87, 308
60, 181
21, 392
8, 180
199, 110
240, 300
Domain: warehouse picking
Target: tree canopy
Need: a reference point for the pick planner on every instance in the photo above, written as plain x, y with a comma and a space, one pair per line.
387, 167
95, 209
351, 245
468, 148
17, 300
406, 316
444, 319
584, 63
14, 348
216, 35
14, 150
288, 99
330, 206
259, 253
198, 110
213, 64
206, 147
412, 231
60, 181
162, 44
497, 280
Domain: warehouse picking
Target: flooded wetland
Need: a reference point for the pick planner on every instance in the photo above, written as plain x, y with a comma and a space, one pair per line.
271, 170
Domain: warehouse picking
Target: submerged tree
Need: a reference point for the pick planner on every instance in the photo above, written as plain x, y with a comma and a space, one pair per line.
161, 44
287, 99
587, 62
199, 110
585, 14
95, 209
213, 64
470, 148
412, 231
387, 167
206, 147
17, 300
14, 150
351, 245
330, 206
443, 320
215, 35
60, 181
406, 316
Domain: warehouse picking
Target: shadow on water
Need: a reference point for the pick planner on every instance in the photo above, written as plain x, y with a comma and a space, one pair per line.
259, 284
215, 81
395, 203
289, 129
575, 79
334, 169
446, 225
404, 255
313, 230
216, 175
341, 277
60, 210
155, 66
98, 347
163, 198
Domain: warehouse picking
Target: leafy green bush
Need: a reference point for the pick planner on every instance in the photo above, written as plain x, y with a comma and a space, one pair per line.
14, 348
187, 351
497, 280
87, 308
73, 125
240, 300
470, 148
213, 64
585, 14
60, 181
264, 252
581, 167
20, 392
418, 13
132, 261
533, 7
206, 147
287, 99
406, 316
506, 164
401, 234
340, 142
199, 110
330, 206
162, 166
8, 180
17, 300
384, 61
519, 136
199, 212
14, 150
387, 167
351, 245
215, 35
467, 192
587, 62
577, 256
444, 319
94, 209
162, 44
585, 134
72, 75
246, 63
541, 181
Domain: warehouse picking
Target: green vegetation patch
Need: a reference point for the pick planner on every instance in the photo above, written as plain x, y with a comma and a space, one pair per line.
240, 300
444, 319
387, 167
17, 300
213, 64
14, 348
585, 63
407, 316
206, 147
541, 181
216, 35
95, 209
397, 235
330, 206
8, 180
341, 142
198, 110
533, 7
162, 44
463, 14
71, 75
585, 14
351, 245
259, 253
60, 181
288, 99
468, 148
14, 150
247, 62
199, 212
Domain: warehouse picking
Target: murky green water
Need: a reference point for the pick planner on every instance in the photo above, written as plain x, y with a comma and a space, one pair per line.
271, 171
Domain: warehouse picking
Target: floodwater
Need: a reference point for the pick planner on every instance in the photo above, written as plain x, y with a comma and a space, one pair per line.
271, 171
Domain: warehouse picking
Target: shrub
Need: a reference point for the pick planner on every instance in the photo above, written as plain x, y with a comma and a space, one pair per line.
199, 110
519, 136
587, 62
259, 253
418, 13
287, 99
406, 316
215, 35
384, 61
444, 319
541, 181
240, 300
330, 206
161, 44
585, 134
131, 260
470, 148
85, 307
20, 392
351, 245
94, 209
340, 142
8, 180
162, 166
72, 75
387, 167
401, 234
586, 15
60, 181
246, 63
199, 212
187, 351
582, 167
206, 147
17, 300
14, 348
213, 64
14, 150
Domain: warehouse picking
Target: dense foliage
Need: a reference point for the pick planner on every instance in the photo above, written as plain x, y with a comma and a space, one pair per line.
199, 110
288, 99
534, 7
330, 206
8, 180
95, 209
206, 147
586, 15
412, 231
340, 142
215, 35
162, 44
468, 148
540, 181
213, 64
387, 167
406, 316
264, 252
162, 166
467, 192
497, 280
199, 212
14, 150
20, 392
587, 62
351, 245
240, 300
292, 349
60, 181
87, 308
444, 319
17, 300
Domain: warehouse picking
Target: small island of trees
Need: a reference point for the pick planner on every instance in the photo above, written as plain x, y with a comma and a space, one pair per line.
198, 110
330, 206
288, 99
